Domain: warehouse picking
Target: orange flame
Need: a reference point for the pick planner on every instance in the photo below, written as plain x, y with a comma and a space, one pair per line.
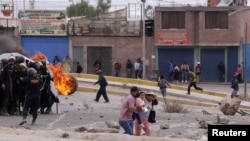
64, 83
39, 56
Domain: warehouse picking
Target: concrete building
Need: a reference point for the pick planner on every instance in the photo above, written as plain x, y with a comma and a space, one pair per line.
109, 38
202, 34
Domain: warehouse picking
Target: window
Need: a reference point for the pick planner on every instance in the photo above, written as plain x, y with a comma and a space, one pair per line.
216, 19
173, 20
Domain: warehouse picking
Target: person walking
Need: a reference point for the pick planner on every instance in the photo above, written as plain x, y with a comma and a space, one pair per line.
33, 84
127, 108
149, 98
192, 82
234, 86
221, 70
102, 90
162, 84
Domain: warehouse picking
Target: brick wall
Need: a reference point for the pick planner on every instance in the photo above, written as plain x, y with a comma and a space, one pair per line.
123, 48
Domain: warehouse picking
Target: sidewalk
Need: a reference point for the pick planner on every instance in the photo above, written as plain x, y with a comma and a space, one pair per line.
212, 94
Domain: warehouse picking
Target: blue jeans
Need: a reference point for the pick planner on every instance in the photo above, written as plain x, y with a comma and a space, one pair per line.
184, 76
128, 126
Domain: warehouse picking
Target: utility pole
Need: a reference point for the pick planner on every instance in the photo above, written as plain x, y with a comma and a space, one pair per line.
24, 4
13, 8
32, 4
143, 41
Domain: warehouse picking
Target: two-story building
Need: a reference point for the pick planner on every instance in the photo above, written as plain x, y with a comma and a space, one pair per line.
202, 34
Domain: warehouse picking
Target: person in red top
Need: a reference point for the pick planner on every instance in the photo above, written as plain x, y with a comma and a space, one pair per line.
239, 73
117, 67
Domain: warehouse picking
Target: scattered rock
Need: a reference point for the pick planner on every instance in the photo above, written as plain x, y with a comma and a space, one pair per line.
112, 124
204, 112
165, 126
222, 119
103, 130
65, 135
71, 103
81, 129
203, 124
229, 106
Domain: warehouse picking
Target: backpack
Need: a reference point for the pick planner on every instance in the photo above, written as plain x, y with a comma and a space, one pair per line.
162, 83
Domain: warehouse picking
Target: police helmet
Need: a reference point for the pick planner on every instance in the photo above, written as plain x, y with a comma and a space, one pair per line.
22, 65
20, 59
4, 61
38, 64
12, 58
31, 71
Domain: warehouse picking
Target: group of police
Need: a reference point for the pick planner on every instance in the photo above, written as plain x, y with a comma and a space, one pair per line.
25, 88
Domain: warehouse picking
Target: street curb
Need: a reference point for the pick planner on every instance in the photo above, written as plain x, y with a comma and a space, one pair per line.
177, 100
146, 83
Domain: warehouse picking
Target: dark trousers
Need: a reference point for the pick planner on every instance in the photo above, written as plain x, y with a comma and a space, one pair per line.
193, 84
31, 103
102, 91
137, 117
221, 77
239, 77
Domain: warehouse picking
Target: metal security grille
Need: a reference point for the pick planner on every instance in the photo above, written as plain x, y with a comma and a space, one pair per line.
104, 55
78, 57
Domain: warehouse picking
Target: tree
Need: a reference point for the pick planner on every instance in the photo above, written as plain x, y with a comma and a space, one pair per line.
80, 9
84, 9
103, 6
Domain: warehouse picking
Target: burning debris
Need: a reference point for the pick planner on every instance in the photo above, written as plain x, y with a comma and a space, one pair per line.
65, 84
39, 56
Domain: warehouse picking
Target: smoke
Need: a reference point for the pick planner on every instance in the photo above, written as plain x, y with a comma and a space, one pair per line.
7, 45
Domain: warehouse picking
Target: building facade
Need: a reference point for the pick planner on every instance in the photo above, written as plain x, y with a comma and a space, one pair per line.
201, 34
108, 39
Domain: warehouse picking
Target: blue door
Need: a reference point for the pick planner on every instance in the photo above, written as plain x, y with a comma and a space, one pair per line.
178, 55
210, 59
50, 46
232, 62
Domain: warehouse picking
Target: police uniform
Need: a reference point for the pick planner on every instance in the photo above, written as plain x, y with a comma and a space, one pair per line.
33, 84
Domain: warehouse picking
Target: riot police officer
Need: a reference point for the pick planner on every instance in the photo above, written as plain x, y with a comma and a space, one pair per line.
8, 85
33, 83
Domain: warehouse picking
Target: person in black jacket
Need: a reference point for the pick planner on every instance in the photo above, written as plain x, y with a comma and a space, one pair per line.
234, 86
102, 90
33, 83
78, 68
221, 70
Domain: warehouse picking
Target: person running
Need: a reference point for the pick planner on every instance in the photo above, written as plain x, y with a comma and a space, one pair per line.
126, 111
192, 82
163, 83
